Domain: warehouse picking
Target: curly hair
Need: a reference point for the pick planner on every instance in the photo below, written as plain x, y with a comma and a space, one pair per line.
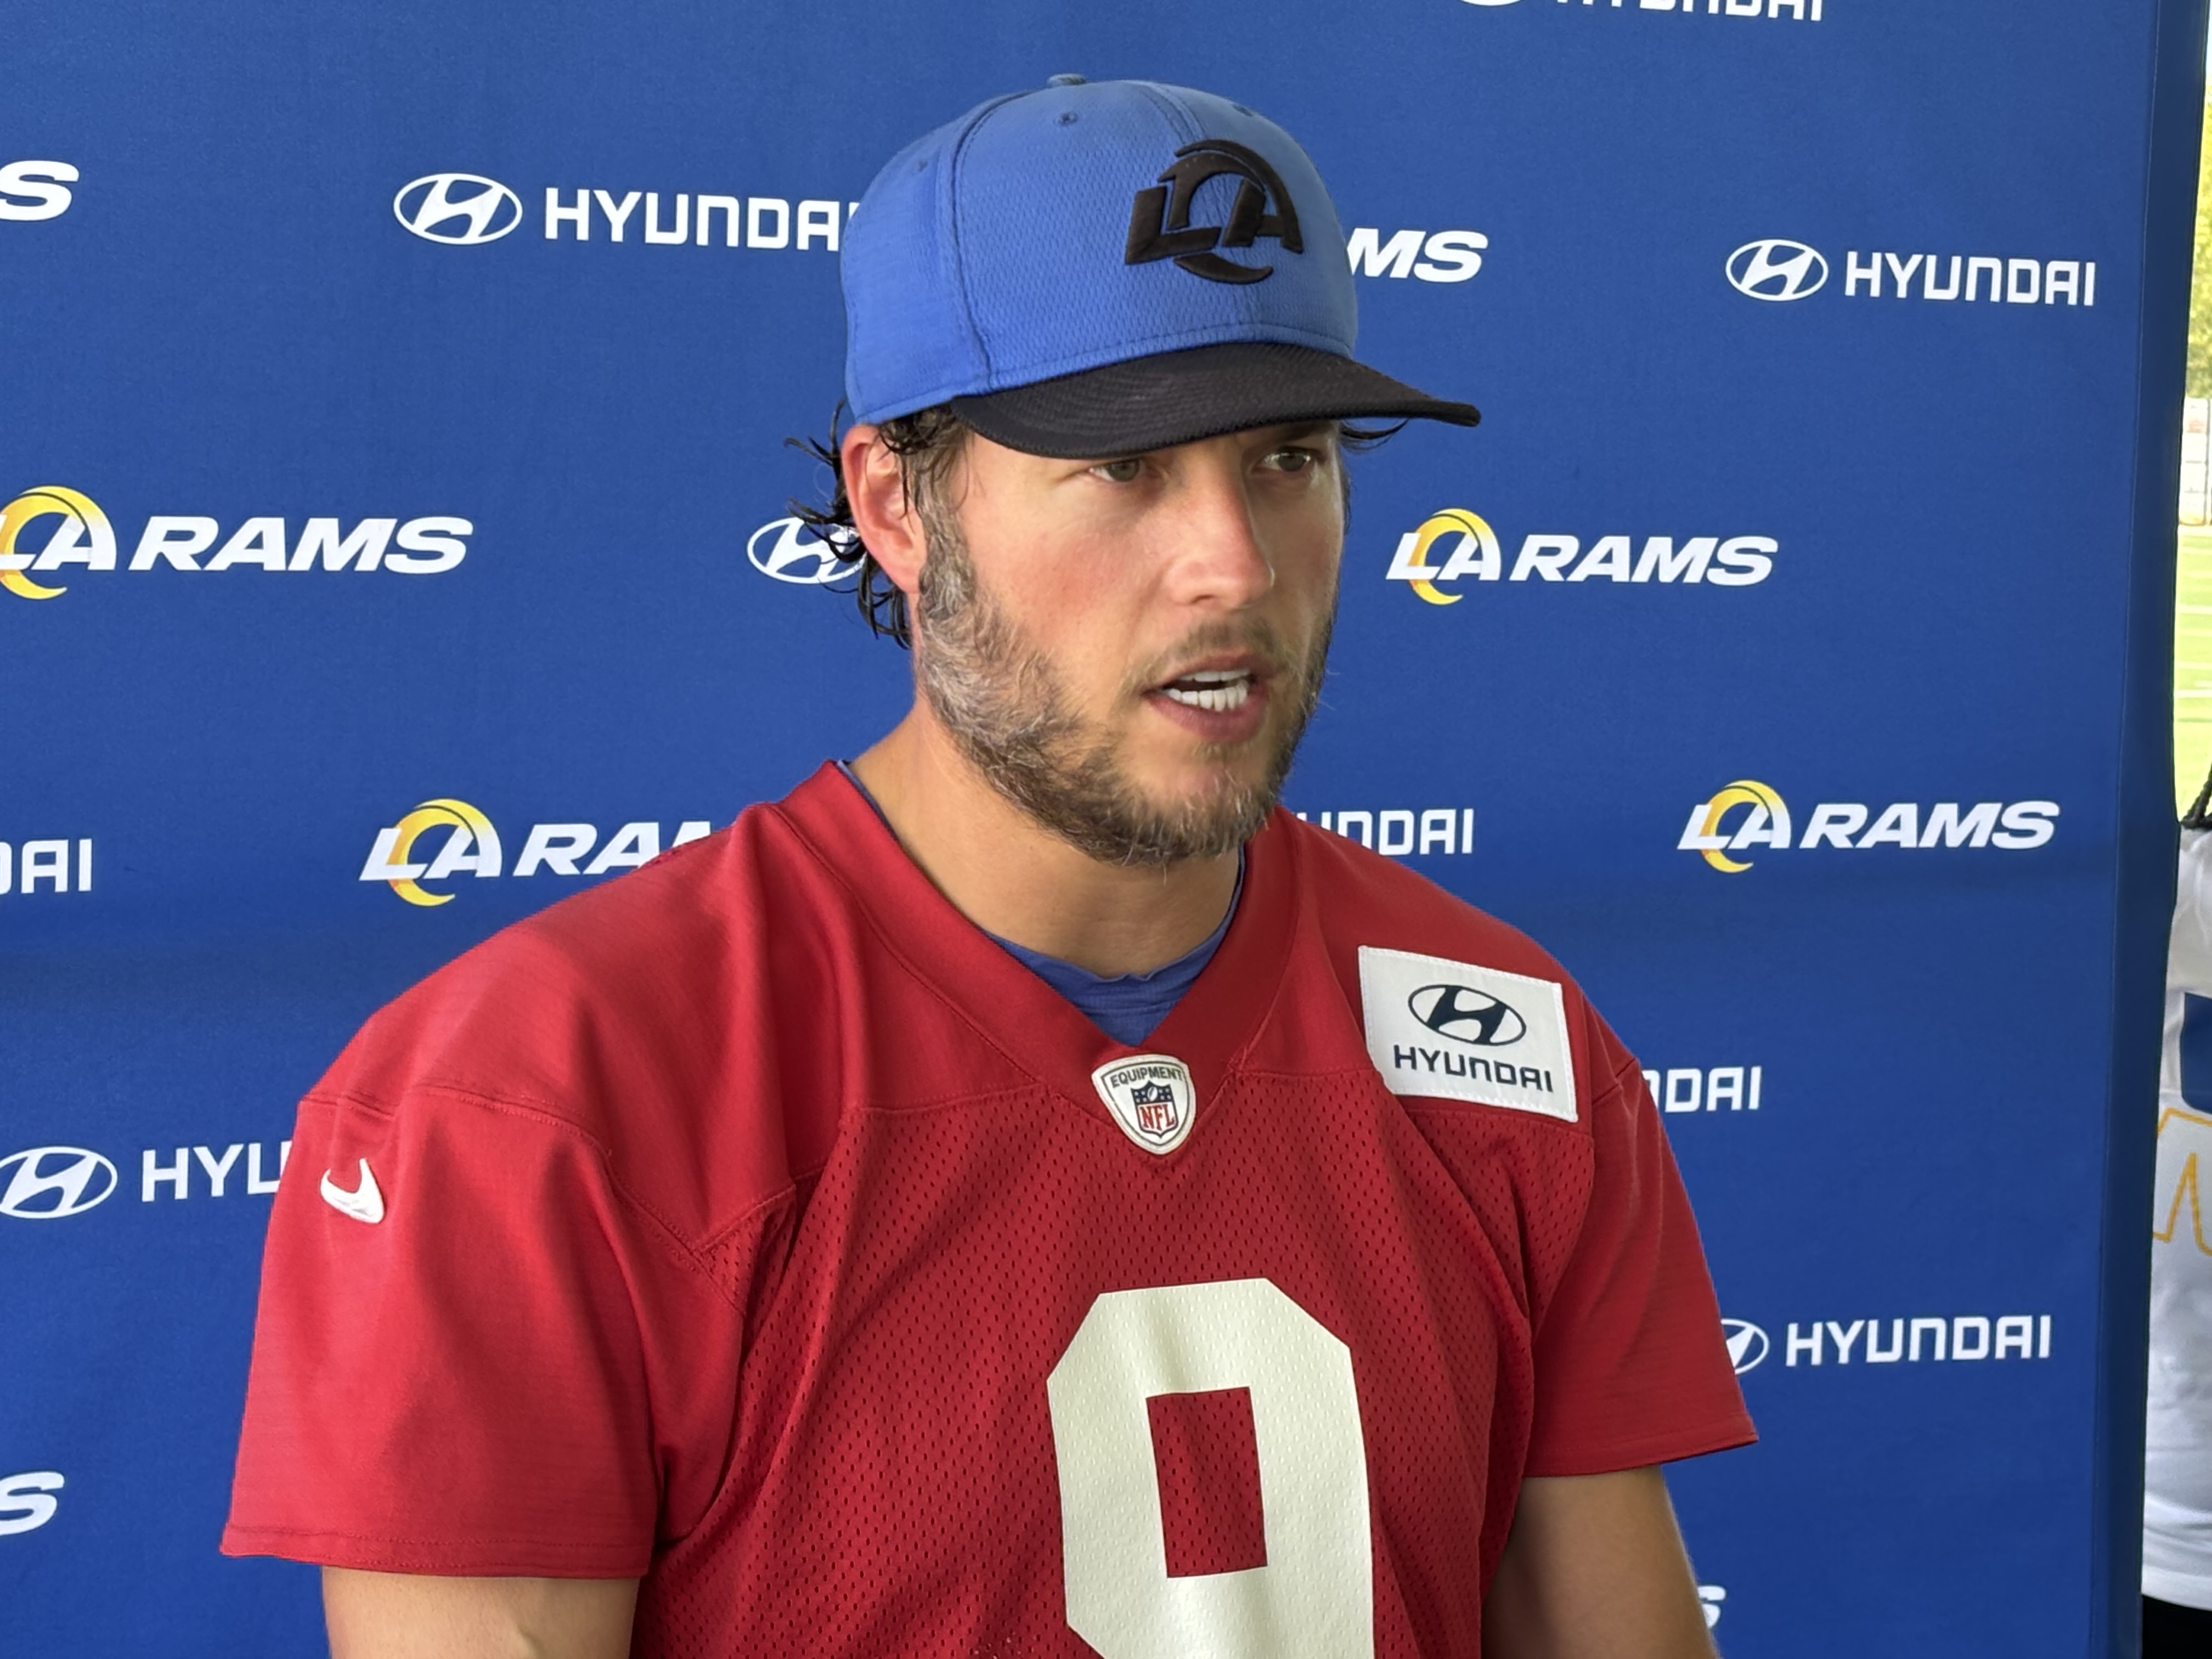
928, 443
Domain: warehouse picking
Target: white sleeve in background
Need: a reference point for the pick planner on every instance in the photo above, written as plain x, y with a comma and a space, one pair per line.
2178, 1451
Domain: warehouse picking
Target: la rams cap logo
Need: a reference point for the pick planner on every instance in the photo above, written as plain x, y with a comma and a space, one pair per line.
1160, 226
1151, 1097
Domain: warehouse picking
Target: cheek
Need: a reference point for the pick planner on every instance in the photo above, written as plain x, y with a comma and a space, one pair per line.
1309, 566
1078, 605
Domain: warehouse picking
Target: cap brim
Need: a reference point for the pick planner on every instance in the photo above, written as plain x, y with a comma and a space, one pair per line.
1179, 396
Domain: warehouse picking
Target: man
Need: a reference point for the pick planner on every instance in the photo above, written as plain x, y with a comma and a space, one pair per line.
1024, 1194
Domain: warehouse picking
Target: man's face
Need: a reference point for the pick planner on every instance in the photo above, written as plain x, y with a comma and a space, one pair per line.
1129, 649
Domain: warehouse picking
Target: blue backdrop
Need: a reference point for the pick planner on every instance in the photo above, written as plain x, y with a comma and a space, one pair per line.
395, 540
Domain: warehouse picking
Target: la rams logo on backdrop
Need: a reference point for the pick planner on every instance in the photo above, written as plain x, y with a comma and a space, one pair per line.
462, 209
1471, 547
1767, 824
472, 845
1714, 830
1151, 1097
81, 534
1456, 545
445, 837
1160, 226
84, 530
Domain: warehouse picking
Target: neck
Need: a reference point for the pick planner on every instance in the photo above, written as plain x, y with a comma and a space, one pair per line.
1011, 876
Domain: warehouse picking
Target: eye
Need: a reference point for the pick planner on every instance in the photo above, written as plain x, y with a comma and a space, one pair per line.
1292, 457
1125, 471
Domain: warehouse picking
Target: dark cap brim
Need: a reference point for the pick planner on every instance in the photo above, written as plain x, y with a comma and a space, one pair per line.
1179, 396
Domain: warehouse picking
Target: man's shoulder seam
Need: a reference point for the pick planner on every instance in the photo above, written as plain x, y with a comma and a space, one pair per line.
551, 1117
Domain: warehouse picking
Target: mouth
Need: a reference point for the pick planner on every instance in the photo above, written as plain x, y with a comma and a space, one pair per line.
1224, 701
1214, 691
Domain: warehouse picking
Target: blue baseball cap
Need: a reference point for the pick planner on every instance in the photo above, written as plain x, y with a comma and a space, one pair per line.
1100, 268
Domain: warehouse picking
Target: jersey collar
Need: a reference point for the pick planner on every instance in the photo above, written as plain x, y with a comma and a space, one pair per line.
1218, 1019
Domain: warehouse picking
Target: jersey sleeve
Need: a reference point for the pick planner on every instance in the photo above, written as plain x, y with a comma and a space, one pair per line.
475, 1354
1631, 1366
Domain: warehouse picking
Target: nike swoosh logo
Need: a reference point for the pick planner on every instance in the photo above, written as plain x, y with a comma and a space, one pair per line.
364, 1203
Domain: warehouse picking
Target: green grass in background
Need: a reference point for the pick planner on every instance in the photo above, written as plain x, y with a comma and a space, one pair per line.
2192, 588
2193, 666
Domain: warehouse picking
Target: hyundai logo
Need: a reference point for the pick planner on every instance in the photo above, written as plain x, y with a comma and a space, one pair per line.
463, 209
1777, 269
1467, 1015
1747, 1344
47, 1181
787, 551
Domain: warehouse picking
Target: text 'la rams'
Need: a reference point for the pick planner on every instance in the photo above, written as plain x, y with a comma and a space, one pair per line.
445, 837
82, 537
1456, 544
1718, 831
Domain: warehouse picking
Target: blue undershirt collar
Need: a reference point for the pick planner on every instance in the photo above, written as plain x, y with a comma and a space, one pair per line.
1127, 1007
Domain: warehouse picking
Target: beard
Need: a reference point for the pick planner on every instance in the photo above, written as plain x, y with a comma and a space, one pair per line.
1003, 702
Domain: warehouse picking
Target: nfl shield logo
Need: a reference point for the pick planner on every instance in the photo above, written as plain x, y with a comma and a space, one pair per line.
1150, 1098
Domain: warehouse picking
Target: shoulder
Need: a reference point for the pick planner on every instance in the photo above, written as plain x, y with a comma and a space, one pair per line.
1364, 898
627, 1014
1421, 961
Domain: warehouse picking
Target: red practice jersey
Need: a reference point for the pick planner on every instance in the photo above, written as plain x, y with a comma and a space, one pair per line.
756, 1224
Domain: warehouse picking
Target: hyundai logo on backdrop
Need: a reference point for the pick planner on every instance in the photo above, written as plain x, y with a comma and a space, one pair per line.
52, 1182
1680, 1089
1747, 1344
1800, 11
789, 551
1401, 831
462, 209
46, 865
1953, 1338
1777, 269
46, 1184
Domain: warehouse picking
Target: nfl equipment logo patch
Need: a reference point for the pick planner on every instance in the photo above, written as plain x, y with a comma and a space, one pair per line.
1151, 1098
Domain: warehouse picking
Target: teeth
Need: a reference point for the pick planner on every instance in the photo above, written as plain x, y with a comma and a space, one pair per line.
1218, 676
1220, 695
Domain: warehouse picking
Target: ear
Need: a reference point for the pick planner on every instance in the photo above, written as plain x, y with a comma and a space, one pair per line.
881, 513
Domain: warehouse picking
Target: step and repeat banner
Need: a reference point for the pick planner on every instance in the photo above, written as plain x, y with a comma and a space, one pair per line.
394, 538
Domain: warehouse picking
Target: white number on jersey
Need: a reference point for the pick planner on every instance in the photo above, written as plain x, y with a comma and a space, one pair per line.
1315, 1597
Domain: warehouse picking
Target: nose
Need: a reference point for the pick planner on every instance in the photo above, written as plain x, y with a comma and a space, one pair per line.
1220, 558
